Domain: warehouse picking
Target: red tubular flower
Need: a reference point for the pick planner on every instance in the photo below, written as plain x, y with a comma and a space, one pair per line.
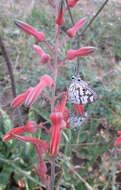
118, 140
84, 51
72, 3
60, 16
40, 37
57, 120
72, 31
40, 147
43, 146
45, 56
61, 107
20, 99
31, 95
30, 127
66, 114
79, 109
45, 81
55, 141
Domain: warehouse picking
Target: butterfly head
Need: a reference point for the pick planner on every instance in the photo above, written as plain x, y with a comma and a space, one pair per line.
76, 78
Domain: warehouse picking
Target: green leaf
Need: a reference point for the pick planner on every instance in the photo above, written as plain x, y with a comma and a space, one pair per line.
6, 123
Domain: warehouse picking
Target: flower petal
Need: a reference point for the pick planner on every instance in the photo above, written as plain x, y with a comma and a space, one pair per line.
19, 100
40, 37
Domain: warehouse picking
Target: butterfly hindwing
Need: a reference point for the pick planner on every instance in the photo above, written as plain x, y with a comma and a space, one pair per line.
75, 121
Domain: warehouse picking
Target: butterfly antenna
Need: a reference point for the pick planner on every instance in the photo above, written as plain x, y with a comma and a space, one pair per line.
77, 69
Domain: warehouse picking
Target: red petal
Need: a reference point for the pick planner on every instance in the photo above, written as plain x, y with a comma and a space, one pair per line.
72, 3
79, 108
30, 30
60, 17
17, 131
42, 144
19, 100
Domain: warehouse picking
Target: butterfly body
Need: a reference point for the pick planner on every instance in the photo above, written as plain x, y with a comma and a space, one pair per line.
80, 93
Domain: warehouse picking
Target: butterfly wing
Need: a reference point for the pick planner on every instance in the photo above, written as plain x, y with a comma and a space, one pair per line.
75, 121
81, 93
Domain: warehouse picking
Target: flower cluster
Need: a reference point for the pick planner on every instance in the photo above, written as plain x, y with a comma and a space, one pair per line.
59, 115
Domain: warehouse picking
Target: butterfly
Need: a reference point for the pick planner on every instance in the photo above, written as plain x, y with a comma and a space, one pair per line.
80, 93
75, 121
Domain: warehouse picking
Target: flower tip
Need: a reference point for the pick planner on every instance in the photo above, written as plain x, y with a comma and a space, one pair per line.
45, 58
84, 19
70, 33
47, 79
91, 48
17, 22
39, 36
38, 50
72, 3
84, 51
60, 17
6, 138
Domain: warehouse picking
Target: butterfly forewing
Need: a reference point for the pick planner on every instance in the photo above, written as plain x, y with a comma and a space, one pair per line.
80, 93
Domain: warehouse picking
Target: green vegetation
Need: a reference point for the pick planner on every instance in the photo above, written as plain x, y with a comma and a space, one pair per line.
88, 151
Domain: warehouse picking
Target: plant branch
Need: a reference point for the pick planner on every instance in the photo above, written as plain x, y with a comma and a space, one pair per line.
69, 10
52, 173
61, 63
10, 70
60, 178
93, 18
55, 69
84, 30
49, 47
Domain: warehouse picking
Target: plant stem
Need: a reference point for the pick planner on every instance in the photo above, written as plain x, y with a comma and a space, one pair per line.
55, 71
55, 54
85, 29
52, 173
10, 70
72, 20
49, 47
93, 18
9, 65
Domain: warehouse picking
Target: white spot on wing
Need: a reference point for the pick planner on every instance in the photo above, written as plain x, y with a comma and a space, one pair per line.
84, 99
91, 98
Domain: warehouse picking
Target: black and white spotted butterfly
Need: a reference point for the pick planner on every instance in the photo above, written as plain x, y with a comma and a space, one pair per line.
75, 121
80, 93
